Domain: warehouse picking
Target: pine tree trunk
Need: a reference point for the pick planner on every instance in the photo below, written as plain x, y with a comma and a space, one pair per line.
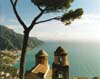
22, 59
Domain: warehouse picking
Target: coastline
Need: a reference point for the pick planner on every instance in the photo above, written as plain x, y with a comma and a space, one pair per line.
15, 51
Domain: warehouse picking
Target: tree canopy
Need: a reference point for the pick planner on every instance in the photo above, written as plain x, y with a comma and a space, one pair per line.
59, 6
71, 15
53, 5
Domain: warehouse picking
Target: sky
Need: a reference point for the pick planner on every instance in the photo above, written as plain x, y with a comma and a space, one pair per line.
85, 29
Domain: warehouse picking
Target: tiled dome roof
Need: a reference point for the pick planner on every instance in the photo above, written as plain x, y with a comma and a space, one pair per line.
60, 51
41, 53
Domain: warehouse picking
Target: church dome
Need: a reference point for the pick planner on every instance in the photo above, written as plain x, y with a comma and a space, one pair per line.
60, 51
41, 53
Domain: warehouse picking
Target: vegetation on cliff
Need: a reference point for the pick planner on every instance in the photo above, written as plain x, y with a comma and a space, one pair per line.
11, 40
7, 70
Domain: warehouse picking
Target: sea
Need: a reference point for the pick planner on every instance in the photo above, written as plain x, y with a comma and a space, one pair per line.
84, 57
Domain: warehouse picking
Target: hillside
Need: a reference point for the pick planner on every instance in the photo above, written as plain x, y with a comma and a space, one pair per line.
11, 40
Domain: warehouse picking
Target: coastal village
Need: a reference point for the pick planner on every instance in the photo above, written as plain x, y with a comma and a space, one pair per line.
42, 70
7, 61
60, 66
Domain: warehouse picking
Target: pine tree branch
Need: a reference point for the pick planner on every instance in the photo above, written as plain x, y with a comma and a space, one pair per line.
36, 18
15, 2
16, 13
39, 8
55, 18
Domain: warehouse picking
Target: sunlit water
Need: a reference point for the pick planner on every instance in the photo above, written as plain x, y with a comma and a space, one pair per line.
84, 57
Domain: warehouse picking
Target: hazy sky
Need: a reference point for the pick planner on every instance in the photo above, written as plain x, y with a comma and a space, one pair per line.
87, 28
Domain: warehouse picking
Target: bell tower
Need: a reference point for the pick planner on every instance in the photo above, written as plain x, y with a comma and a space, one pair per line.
41, 57
60, 66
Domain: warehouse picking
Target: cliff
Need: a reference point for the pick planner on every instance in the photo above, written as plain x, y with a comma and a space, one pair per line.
11, 40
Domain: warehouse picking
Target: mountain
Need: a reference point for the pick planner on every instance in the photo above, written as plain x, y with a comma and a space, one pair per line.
11, 40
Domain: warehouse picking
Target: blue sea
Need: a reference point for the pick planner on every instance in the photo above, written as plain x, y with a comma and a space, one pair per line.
84, 57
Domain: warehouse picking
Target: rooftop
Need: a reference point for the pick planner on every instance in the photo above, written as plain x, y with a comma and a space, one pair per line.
60, 51
41, 53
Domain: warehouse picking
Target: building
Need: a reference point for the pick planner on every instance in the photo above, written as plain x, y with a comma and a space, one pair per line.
60, 66
41, 67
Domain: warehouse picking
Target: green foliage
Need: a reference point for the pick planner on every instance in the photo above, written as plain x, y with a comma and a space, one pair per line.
6, 61
67, 18
11, 40
53, 5
60, 6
